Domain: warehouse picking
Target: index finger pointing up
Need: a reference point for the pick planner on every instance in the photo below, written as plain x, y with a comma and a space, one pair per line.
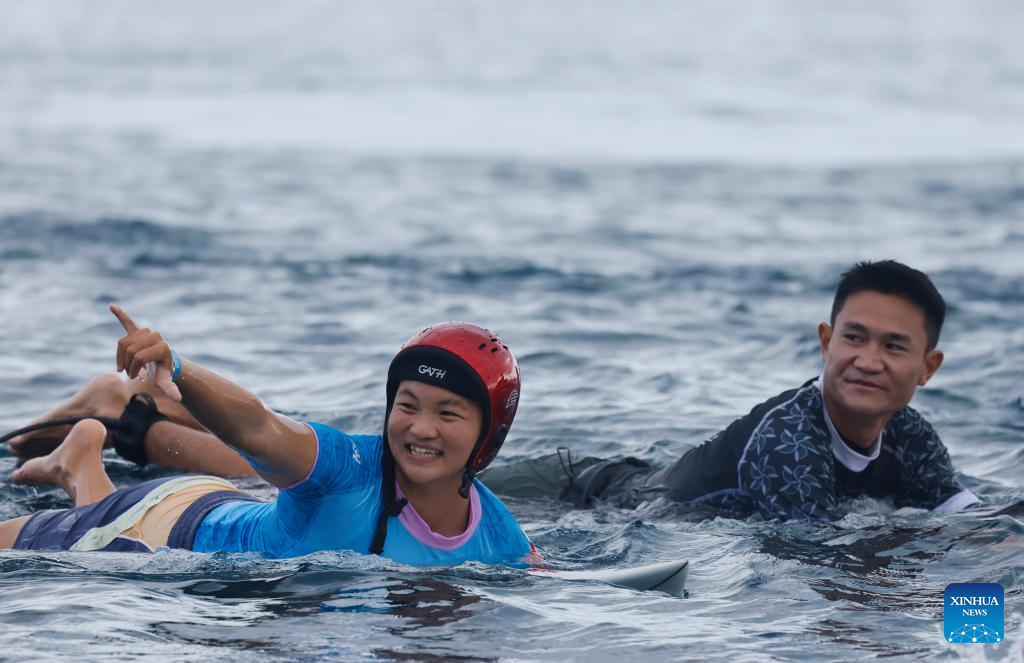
122, 317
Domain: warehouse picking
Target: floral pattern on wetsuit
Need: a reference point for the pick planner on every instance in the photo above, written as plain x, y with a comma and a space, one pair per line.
788, 470
925, 469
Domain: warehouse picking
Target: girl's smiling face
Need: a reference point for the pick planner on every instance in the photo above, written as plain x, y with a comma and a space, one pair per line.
431, 432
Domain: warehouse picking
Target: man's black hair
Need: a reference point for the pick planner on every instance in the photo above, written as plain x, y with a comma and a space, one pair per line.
894, 278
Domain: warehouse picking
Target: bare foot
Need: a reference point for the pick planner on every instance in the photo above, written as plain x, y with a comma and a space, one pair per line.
76, 465
104, 396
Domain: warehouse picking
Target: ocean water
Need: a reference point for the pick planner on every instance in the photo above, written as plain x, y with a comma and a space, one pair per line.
650, 201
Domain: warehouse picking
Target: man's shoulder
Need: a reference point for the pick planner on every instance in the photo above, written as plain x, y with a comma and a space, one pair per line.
785, 466
799, 407
794, 416
912, 439
806, 395
907, 425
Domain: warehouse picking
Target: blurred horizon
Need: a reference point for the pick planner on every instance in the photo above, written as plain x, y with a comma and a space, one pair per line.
782, 82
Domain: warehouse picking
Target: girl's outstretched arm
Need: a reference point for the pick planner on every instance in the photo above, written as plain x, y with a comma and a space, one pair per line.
280, 449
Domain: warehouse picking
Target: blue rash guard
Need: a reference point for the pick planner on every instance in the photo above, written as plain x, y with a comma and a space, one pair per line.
785, 459
336, 508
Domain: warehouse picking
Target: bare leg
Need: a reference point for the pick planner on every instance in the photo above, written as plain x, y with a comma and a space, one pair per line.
9, 530
181, 443
103, 396
76, 465
189, 450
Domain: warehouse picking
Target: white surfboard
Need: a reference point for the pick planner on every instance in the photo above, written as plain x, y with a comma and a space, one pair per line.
668, 577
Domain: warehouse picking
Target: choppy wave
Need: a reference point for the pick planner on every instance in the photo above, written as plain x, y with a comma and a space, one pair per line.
651, 212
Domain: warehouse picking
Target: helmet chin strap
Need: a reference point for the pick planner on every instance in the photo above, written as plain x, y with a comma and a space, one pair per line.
469, 473
467, 480
391, 506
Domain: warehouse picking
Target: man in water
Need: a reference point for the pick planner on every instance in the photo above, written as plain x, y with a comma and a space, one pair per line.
845, 433
408, 493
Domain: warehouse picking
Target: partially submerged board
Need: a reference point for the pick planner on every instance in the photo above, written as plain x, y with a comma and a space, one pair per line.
668, 577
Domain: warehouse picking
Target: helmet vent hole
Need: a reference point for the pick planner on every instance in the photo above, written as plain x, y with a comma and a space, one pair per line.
493, 350
482, 346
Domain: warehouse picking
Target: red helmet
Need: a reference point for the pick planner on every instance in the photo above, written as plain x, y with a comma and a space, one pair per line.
472, 362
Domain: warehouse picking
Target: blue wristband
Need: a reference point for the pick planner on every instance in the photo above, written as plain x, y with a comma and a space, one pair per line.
175, 366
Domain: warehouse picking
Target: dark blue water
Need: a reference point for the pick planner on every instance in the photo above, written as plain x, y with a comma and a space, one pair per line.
651, 202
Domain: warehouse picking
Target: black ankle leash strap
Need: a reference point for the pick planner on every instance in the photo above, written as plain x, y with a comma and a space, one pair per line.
114, 424
128, 431
130, 440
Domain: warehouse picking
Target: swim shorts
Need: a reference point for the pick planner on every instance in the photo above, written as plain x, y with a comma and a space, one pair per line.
134, 519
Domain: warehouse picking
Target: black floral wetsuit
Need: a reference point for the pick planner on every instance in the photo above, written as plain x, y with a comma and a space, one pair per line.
786, 460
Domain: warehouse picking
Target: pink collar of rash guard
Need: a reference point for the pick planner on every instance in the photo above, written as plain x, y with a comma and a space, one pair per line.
421, 530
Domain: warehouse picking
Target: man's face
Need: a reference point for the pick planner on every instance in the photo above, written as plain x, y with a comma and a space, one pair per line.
876, 355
